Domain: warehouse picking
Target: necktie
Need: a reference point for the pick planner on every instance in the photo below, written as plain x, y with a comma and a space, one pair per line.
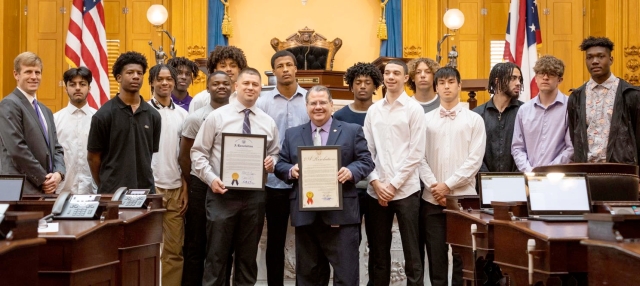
317, 140
246, 127
44, 128
447, 113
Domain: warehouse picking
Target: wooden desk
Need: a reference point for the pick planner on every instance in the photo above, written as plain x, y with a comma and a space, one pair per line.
558, 256
140, 234
460, 238
133, 239
613, 263
19, 255
82, 252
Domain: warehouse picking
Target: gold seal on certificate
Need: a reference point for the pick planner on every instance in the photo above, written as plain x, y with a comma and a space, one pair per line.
318, 181
242, 161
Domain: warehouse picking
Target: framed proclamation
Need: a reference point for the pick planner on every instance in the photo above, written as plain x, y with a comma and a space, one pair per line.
242, 161
318, 181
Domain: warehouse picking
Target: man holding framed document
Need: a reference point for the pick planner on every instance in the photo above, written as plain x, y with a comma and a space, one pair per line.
232, 150
324, 201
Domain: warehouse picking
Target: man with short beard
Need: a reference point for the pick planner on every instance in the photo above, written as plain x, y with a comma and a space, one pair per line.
73, 123
499, 115
187, 71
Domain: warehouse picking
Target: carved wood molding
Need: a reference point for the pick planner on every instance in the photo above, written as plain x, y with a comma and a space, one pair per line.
194, 52
412, 52
632, 51
202, 77
632, 79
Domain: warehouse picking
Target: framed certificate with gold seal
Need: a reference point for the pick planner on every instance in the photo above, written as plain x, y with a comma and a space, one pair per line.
318, 181
242, 161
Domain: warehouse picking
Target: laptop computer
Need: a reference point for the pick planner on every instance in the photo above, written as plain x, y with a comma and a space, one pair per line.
500, 187
558, 196
11, 187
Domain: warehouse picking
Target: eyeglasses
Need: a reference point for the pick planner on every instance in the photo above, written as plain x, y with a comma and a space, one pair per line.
547, 74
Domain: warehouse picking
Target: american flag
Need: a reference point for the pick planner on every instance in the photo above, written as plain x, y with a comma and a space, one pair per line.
523, 39
86, 45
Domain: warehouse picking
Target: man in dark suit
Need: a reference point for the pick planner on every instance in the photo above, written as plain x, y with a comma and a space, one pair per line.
28, 139
326, 237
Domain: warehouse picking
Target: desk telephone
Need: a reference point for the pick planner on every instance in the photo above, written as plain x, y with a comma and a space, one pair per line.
133, 198
75, 206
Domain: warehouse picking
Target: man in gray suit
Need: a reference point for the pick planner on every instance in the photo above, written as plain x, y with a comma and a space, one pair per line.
28, 139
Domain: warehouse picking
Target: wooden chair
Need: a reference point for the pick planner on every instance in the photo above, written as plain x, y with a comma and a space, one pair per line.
312, 50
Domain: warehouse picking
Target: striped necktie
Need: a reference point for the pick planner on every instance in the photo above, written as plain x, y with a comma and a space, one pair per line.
246, 127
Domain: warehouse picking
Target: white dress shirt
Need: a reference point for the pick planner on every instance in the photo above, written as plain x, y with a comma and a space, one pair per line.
395, 134
30, 99
454, 151
164, 163
192, 124
72, 125
206, 150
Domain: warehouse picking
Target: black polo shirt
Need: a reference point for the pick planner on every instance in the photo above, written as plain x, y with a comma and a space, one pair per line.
499, 129
126, 141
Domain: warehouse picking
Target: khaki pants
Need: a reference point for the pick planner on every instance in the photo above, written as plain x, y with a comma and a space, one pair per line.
173, 237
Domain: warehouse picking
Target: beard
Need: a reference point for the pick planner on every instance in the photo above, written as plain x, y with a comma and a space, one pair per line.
512, 94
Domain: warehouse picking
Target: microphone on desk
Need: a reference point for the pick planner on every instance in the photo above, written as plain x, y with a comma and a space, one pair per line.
531, 246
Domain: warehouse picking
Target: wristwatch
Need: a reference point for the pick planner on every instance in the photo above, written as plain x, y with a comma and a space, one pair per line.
61, 176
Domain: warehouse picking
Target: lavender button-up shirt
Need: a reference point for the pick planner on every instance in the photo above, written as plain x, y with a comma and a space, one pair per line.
324, 134
541, 135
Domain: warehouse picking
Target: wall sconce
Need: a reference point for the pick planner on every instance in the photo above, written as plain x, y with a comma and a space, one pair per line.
157, 15
453, 19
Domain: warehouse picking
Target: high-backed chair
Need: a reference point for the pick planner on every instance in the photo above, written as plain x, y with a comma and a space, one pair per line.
312, 50
607, 181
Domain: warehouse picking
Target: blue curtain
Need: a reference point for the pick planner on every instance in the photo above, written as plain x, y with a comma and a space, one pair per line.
392, 47
214, 26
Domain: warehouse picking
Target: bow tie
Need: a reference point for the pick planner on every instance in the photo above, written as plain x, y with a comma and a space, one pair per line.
447, 113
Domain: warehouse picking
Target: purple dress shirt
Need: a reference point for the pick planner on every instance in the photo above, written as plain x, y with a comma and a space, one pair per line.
324, 134
541, 135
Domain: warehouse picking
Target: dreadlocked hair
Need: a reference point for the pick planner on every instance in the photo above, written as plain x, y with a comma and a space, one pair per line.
363, 69
500, 77
184, 62
221, 53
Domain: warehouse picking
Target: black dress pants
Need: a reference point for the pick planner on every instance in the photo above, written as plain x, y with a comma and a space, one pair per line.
433, 235
379, 221
234, 221
195, 235
277, 223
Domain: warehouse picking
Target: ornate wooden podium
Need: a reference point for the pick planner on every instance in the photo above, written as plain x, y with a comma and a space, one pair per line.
334, 80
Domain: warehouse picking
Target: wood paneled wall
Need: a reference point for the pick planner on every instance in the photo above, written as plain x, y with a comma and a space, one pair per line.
564, 24
40, 26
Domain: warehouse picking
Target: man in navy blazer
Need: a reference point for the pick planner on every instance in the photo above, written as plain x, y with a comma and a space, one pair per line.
326, 237
28, 138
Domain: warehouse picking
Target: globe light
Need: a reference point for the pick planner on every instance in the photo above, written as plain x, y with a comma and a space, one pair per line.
157, 14
453, 19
